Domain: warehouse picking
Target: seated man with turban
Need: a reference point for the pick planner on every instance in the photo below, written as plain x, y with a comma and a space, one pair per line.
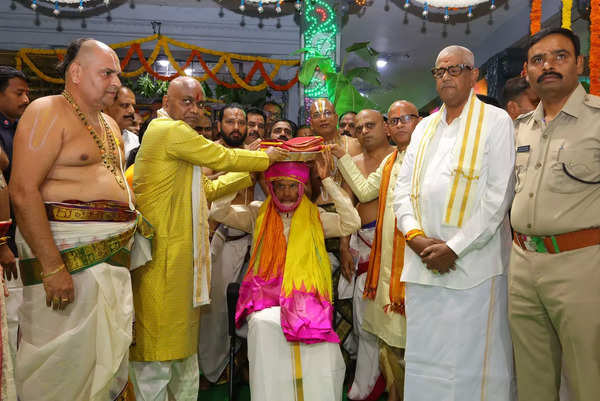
286, 295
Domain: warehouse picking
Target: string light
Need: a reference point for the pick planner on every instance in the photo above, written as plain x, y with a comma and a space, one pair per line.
319, 38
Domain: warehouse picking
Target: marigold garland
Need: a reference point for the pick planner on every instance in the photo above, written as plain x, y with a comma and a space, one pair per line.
535, 17
595, 48
163, 42
567, 6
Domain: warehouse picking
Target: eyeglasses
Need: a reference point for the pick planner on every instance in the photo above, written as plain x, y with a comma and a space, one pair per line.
405, 119
453, 70
325, 114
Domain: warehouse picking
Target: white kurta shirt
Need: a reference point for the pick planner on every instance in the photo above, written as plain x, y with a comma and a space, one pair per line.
130, 141
483, 242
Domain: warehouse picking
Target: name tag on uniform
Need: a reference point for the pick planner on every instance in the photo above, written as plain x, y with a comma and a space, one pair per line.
523, 149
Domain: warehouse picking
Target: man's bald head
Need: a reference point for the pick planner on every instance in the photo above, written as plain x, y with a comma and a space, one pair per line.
184, 100
403, 117
404, 106
455, 75
370, 130
91, 70
323, 118
465, 55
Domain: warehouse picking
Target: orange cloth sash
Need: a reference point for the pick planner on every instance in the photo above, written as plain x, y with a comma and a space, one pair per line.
397, 288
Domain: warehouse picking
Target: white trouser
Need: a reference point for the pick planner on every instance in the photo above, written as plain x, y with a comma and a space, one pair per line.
159, 380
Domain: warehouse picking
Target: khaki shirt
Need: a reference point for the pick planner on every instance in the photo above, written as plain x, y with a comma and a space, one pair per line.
547, 200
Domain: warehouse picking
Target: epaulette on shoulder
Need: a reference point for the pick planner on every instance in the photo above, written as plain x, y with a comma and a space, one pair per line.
592, 101
525, 117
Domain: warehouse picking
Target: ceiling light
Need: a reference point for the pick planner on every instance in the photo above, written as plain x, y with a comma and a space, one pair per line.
188, 71
381, 63
163, 62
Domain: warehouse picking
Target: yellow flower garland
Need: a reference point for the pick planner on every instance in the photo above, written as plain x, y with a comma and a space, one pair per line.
567, 6
163, 42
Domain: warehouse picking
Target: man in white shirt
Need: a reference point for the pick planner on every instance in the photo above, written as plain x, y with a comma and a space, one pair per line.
123, 112
451, 202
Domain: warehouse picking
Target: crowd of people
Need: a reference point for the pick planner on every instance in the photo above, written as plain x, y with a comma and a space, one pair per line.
374, 251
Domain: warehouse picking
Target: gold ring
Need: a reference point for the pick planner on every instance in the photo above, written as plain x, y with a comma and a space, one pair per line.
65, 300
55, 300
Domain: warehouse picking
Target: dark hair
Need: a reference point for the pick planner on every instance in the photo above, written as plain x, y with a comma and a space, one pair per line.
275, 104
489, 100
258, 112
292, 124
7, 73
344, 113
513, 88
230, 106
556, 31
72, 52
119, 91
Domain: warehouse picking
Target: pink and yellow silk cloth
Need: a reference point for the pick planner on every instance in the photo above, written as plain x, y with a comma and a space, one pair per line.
295, 275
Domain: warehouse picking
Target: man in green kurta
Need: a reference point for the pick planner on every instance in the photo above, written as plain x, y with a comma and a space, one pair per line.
172, 194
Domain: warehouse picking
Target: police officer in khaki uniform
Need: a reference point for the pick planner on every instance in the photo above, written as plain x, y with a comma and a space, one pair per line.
554, 283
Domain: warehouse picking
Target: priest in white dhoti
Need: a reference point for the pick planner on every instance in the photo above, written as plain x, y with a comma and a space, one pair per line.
286, 295
451, 201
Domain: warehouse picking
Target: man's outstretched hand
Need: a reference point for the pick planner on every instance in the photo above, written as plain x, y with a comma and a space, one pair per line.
276, 154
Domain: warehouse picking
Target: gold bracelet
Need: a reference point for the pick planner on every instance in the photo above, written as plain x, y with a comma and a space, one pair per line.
53, 272
4, 240
413, 233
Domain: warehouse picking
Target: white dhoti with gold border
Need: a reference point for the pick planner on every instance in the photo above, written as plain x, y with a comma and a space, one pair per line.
284, 371
458, 344
80, 353
367, 358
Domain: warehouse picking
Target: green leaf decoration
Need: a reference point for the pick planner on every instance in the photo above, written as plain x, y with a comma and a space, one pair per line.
207, 91
308, 69
367, 74
357, 46
300, 51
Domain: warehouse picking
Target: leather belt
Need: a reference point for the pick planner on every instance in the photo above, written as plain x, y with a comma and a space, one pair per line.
558, 243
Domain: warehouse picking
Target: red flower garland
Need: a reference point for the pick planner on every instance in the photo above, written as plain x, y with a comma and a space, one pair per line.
535, 17
595, 48
257, 66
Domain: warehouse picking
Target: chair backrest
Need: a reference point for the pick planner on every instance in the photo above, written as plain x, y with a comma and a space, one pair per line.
233, 292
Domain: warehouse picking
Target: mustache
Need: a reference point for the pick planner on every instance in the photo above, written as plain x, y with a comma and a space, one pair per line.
547, 74
130, 116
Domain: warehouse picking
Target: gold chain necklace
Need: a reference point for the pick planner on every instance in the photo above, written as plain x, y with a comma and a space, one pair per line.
108, 157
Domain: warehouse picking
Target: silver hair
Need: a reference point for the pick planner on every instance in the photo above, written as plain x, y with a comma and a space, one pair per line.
466, 54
